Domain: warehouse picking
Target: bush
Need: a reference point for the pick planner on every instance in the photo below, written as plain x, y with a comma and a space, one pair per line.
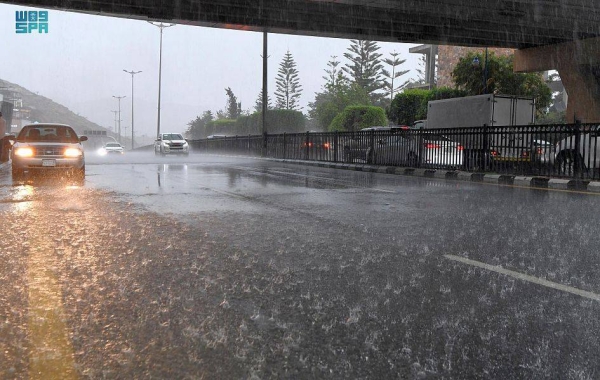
278, 121
407, 106
354, 118
411, 104
221, 127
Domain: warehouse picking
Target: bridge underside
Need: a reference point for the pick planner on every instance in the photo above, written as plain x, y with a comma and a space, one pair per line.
506, 23
519, 24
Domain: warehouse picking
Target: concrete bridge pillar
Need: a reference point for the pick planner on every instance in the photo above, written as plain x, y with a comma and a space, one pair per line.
578, 64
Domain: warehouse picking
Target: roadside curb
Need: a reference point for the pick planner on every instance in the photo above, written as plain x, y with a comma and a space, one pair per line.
533, 182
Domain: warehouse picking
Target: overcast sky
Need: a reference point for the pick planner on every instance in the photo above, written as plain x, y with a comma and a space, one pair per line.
80, 63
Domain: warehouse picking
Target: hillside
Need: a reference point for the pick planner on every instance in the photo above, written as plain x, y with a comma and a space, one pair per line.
46, 110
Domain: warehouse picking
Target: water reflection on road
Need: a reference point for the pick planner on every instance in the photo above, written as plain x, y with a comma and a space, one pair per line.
227, 268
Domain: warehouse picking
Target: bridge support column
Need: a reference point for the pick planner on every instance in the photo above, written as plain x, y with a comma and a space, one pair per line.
578, 64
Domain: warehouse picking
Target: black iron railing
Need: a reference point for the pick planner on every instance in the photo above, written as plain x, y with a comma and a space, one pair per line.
565, 150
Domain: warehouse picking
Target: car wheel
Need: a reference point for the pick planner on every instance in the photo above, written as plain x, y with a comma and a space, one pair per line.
565, 163
17, 174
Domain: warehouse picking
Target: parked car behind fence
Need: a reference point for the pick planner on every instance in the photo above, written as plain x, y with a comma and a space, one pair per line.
562, 150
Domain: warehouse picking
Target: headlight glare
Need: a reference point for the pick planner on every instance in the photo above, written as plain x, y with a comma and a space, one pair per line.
73, 152
24, 152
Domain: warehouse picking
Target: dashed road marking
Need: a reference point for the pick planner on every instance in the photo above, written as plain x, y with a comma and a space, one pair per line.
525, 277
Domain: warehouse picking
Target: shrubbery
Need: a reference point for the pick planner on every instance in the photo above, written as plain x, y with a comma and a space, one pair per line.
278, 121
354, 118
411, 104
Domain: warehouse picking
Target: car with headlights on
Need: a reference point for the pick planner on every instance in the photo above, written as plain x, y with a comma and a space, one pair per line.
171, 143
47, 148
112, 148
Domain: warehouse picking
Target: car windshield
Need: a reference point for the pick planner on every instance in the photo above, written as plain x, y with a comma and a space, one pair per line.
44, 133
113, 145
172, 136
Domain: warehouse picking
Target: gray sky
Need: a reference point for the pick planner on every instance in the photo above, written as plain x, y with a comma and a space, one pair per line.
80, 63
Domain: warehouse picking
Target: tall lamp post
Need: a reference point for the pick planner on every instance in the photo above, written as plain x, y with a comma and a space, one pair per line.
119, 99
115, 114
161, 26
485, 70
132, 74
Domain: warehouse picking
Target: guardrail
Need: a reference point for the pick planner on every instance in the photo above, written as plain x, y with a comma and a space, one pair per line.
563, 150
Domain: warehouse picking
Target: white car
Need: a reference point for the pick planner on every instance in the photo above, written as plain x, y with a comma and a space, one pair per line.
588, 155
112, 148
171, 143
47, 148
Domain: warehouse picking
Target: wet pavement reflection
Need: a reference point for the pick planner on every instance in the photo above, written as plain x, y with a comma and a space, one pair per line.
219, 267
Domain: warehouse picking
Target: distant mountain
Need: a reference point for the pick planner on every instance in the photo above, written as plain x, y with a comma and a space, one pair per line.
45, 110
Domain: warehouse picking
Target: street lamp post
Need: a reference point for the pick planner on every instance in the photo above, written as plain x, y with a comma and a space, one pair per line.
115, 114
119, 99
161, 26
485, 70
132, 74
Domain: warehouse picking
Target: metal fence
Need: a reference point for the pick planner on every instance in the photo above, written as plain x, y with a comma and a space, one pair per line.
564, 150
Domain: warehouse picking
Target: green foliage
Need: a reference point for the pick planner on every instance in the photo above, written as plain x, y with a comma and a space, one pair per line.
552, 117
389, 77
354, 118
500, 79
338, 95
411, 104
278, 121
234, 109
197, 128
288, 89
221, 127
365, 67
408, 106
259, 102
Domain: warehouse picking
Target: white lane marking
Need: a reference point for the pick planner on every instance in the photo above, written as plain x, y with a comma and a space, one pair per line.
525, 277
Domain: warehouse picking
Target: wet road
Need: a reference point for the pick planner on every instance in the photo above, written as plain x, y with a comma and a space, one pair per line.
228, 268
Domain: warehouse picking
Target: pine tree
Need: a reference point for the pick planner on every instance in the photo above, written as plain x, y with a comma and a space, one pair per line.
259, 100
234, 109
394, 61
288, 84
335, 76
365, 67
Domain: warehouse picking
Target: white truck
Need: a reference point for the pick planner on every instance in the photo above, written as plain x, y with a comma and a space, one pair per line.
492, 116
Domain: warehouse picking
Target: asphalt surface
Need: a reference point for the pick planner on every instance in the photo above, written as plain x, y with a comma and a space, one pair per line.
214, 267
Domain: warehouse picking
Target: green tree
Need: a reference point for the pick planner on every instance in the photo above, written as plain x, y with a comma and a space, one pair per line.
411, 104
365, 67
335, 76
288, 88
334, 100
389, 77
234, 109
197, 128
354, 118
259, 100
337, 94
501, 79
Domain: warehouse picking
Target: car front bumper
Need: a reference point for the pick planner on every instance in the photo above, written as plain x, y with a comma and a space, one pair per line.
47, 163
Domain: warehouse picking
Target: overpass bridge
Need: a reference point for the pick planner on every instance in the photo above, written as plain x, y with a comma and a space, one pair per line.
561, 35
